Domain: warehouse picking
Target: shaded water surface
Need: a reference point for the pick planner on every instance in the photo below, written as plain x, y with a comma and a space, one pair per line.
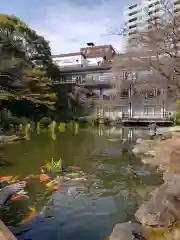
117, 184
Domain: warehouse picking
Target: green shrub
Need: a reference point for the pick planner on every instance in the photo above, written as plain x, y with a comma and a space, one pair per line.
45, 121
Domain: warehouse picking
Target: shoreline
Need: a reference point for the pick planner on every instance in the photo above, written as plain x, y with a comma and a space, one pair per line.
158, 217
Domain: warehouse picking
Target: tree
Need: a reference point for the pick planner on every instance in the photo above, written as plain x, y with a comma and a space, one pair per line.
26, 67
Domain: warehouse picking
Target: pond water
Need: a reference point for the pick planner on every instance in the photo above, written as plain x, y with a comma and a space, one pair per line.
118, 183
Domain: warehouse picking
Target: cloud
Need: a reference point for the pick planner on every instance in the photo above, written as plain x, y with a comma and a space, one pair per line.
69, 25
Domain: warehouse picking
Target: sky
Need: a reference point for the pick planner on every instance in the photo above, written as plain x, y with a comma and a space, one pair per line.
69, 24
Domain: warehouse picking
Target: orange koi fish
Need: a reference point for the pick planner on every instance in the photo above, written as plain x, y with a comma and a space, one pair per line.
6, 179
17, 197
76, 167
52, 188
44, 178
31, 214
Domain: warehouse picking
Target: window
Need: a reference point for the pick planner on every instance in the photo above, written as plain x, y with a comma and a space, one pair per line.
145, 111
133, 6
133, 13
124, 93
132, 26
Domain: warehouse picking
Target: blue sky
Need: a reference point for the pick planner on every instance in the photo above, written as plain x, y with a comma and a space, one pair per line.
70, 24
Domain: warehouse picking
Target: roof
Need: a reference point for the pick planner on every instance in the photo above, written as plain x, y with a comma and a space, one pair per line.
93, 52
79, 68
97, 47
67, 54
98, 51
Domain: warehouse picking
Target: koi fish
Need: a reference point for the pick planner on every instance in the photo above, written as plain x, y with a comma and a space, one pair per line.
31, 214
16, 197
44, 178
6, 178
76, 167
43, 166
52, 188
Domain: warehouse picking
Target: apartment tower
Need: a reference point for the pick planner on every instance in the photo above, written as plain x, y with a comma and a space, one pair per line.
138, 16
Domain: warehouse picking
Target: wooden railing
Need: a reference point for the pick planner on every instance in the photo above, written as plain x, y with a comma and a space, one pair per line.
149, 116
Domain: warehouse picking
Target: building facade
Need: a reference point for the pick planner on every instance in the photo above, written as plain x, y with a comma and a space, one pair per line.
131, 90
139, 16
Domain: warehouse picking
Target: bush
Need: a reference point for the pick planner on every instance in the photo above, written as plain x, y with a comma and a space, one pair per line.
45, 121
91, 120
177, 118
107, 121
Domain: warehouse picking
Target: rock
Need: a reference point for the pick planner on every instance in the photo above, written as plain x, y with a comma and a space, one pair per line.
175, 156
139, 141
9, 139
173, 183
142, 147
174, 129
150, 153
163, 209
127, 231
166, 135
176, 232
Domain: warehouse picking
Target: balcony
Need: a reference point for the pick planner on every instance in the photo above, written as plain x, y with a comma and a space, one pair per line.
98, 83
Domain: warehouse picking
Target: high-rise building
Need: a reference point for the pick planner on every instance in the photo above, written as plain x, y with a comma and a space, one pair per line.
139, 15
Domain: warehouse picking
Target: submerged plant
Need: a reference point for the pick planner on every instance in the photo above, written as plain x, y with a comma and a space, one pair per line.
76, 128
54, 165
27, 131
53, 129
62, 127
38, 128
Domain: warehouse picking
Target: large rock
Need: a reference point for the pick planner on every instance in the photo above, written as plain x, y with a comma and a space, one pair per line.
166, 135
165, 153
163, 209
9, 139
173, 183
174, 129
142, 147
127, 231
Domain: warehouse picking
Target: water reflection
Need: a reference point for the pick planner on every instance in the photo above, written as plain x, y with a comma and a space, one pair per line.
116, 183
120, 133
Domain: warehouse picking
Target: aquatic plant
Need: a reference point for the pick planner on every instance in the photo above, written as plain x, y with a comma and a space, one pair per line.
38, 128
62, 127
53, 129
27, 131
54, 165
76, 128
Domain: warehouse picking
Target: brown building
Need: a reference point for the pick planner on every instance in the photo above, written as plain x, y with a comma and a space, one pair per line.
124, 85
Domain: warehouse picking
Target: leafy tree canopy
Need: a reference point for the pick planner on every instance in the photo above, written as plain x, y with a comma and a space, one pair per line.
26, 67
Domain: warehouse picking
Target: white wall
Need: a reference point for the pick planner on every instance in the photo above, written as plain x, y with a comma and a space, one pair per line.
69, 60
94, 61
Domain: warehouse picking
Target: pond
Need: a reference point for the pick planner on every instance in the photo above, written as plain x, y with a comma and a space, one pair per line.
118, 183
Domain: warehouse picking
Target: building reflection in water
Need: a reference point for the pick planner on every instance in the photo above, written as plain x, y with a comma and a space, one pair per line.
124, 133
